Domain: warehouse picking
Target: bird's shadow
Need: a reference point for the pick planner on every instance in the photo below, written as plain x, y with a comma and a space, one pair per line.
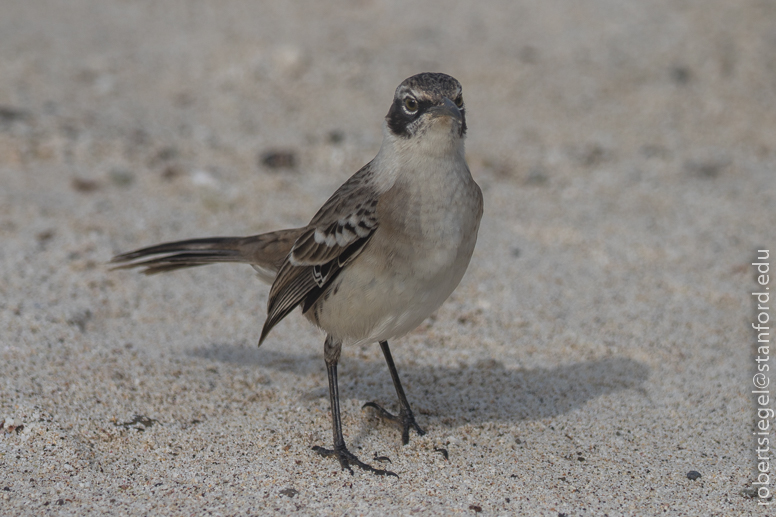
482, 392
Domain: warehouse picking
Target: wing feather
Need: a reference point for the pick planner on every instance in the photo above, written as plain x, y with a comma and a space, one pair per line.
336, 235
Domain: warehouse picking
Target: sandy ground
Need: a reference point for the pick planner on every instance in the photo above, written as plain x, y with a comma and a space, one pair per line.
598, 349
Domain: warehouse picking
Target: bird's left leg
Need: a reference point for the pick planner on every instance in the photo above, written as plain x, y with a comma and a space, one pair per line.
406, 418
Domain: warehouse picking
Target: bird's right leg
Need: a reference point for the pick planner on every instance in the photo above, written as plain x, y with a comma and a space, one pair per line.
346, 458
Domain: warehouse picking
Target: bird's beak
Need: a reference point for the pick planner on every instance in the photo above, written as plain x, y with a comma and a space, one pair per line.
446, 109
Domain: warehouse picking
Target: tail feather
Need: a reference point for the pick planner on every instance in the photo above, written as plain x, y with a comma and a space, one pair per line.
266, 251
180, 261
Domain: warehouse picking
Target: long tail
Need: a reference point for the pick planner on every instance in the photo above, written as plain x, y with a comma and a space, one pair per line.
266, 252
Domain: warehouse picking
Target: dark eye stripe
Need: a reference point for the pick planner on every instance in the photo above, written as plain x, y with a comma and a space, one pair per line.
398, 118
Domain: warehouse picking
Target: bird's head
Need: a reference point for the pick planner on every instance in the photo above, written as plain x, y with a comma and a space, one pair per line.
428, 103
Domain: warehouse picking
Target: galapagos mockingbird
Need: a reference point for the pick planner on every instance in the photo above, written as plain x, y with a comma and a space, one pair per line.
382, 254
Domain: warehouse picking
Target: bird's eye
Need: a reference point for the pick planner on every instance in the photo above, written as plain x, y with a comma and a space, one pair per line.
411, 104
459, 101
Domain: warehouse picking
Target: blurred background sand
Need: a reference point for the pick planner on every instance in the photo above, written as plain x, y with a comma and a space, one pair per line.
597, 351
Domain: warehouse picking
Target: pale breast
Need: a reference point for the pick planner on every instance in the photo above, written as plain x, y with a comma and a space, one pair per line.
416, 258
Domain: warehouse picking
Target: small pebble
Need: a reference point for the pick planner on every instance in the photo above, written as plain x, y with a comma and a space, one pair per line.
45, 235
289, 492
680, 74
172, 171
706, 169
336, 136
278, 159
121, 177
536, 176
10, 114
84, 185
693, 475
443, 452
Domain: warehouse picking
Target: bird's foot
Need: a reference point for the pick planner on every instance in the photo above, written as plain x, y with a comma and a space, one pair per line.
405, 420
347, 458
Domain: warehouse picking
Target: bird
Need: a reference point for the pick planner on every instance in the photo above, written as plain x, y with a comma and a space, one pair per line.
380, 256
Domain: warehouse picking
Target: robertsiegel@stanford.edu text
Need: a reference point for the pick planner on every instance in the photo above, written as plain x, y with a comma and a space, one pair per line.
761, 379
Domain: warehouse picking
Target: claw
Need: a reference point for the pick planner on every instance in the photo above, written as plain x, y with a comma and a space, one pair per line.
405, 420
347, 458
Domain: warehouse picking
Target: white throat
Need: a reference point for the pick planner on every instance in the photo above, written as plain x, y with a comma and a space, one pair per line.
433, 152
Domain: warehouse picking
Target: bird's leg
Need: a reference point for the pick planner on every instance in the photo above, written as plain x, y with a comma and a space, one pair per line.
406, 418
346, 458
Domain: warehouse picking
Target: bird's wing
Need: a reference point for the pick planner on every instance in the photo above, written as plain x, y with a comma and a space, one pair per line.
335, 236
